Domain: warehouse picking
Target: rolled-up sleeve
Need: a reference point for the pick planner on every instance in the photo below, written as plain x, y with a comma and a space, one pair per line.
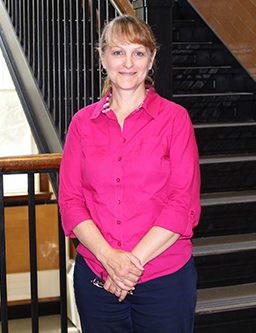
72, 204
182, 207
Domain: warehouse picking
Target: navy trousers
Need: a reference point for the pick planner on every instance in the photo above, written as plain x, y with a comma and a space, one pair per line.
165, 304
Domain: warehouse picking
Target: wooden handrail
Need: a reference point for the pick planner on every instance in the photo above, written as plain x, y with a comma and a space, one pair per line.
125, 7
26, 163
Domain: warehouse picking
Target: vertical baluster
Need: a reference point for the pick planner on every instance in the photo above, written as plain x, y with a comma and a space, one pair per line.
49, 55
107, 11
3, 285
86, 52
32, 252
66, 69
25, 27
16, 17
44, 43
55, 64
79, 54
39, 44
63, 276
93, 22
101, 12
34, 37
10, 9
73, 58
20, 14
30, 31
61, 82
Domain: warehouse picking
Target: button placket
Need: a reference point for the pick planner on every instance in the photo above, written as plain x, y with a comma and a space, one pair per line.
119, 192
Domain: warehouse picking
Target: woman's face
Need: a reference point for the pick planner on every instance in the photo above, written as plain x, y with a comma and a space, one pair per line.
127, 65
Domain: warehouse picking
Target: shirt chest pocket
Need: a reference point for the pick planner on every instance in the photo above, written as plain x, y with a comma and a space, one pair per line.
153, 156
95, 162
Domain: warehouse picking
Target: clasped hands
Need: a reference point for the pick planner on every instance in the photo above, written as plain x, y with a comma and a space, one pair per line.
124, 271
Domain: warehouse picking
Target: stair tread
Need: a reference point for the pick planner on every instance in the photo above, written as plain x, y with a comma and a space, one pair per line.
243, 93
202, 67
231, 124
226, 298
206, 159
222, 198
224, 244
194, 43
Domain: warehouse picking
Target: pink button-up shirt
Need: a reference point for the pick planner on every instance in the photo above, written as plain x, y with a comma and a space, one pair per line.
129, 180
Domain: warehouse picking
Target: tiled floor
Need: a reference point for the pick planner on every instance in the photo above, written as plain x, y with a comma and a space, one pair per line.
48, 324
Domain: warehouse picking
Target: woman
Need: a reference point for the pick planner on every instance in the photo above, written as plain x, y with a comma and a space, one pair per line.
129, 191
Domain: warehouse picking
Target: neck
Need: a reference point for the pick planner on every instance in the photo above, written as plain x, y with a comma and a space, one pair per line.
126, 101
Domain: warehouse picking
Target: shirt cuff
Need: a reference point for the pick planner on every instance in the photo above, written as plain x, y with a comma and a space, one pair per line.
71, 218
181, 222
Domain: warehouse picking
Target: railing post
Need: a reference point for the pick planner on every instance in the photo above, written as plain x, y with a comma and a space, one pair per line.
3, 284
158, 14
33, 253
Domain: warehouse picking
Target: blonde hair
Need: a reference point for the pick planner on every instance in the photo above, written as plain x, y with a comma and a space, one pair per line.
132, 30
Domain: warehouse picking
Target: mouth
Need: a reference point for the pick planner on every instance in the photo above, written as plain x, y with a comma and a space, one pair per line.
127, 73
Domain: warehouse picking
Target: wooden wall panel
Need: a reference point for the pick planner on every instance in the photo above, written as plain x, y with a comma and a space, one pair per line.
234, 21
17, 241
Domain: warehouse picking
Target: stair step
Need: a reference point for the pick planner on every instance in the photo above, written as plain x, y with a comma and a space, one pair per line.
227, 213
228, 173
224, 244
225, 260
225, 125
226, 298
217, 94
224, 198
201, 54
227, 159
211, 79
219, 107
226, 138
189, 30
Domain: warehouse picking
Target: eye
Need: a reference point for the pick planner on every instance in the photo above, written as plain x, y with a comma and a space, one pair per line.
117, 52
139, 54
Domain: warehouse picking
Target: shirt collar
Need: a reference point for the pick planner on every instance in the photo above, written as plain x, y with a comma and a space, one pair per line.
150, 104
99, 106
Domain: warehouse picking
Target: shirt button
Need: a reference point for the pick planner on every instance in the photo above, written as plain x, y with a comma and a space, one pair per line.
119, 158
119, 243
123, 140
117, 180
118, 222
118, 202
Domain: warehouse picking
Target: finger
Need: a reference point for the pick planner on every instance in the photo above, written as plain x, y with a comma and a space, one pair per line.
122, 295
118, 292
107, 284
125, 284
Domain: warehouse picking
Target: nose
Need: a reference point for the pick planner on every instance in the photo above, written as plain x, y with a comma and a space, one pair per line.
128, 61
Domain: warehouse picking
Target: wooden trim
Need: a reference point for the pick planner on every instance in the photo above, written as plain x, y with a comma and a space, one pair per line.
26, 163
125, 7
23, 198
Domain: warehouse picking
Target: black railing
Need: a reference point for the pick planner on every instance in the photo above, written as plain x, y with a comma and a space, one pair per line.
31, 165
59, 39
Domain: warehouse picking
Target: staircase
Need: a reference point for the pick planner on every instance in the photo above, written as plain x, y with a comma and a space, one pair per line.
221, 100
